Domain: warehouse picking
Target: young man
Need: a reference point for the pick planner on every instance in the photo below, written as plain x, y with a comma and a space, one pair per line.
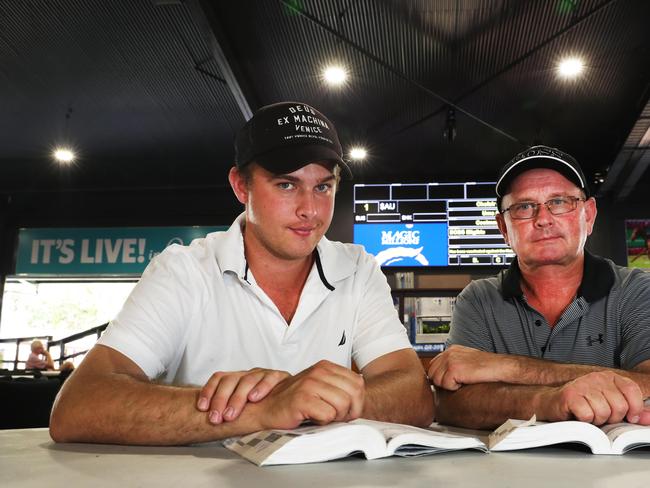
562, 334
267, 316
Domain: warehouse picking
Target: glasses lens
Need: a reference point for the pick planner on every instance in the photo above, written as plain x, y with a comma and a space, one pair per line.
558, 206
524, 210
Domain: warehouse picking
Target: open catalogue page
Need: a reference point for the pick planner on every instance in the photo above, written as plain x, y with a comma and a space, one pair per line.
372, 439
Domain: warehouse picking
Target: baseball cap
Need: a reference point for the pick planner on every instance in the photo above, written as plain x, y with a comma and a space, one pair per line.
540, 157
286, 136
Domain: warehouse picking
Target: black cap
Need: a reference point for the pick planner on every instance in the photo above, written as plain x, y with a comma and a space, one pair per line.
540, 157
286, 136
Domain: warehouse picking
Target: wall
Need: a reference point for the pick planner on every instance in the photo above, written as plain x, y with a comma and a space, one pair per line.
608, 238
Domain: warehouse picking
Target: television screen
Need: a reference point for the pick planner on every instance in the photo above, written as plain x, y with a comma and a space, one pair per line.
430, 224
638, 243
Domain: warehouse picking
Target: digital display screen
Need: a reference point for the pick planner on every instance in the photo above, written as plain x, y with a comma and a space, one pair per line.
430, 224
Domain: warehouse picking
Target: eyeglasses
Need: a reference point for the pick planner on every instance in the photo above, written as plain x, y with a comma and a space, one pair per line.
557, 206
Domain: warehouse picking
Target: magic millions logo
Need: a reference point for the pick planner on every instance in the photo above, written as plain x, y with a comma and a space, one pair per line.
400, 238
398, 251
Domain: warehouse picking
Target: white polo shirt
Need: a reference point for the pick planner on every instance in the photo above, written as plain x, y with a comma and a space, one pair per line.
197, 309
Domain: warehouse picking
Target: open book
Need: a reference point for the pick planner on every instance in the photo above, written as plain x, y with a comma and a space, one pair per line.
310, 444
608, 439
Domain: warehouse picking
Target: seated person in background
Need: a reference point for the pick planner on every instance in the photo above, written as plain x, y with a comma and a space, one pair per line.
66, 370
562, 333
39, 358
266, 316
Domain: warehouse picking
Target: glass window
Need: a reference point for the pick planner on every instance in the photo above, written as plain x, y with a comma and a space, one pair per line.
59, 309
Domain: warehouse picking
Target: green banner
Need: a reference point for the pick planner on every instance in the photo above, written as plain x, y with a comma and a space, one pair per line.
96, 251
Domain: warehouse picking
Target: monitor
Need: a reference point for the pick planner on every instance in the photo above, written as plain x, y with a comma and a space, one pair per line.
429, 224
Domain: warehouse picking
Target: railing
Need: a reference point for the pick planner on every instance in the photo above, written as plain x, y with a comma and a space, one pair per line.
18, 341
61, 344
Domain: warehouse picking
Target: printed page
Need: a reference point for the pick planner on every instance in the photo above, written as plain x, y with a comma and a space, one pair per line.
257, 447
624, 436
507, 428
407, 441
551, 433
310, 444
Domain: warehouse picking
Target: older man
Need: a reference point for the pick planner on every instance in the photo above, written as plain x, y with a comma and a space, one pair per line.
562, 333
256, 327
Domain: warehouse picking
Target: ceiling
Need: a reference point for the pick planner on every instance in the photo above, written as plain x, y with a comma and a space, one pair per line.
151, 92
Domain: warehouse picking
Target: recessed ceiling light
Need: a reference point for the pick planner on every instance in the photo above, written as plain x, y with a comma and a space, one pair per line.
358, 153
63, 155
335, 75
570, 67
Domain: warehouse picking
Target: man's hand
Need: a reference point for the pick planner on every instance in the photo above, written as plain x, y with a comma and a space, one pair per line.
323, 393
460, 365
226, 393
599, 398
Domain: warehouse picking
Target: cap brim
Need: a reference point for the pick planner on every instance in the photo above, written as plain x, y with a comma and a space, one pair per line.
285, 160
550, 162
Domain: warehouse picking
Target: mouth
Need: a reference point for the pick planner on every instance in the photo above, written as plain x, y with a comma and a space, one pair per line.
547, 238
303, 231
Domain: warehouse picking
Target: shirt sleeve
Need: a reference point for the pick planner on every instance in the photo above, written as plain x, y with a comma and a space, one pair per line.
635, 320
150, 328
468, 322
379, 330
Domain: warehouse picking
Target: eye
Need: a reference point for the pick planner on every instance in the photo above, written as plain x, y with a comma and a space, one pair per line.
524, 206
323, 187
285, 185
557, 202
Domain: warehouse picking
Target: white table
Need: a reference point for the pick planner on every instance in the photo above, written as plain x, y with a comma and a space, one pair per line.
29, 458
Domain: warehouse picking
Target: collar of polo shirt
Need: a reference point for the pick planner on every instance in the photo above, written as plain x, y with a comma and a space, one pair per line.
331, 266
597, 279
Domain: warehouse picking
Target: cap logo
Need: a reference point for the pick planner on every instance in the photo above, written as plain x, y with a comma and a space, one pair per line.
285, 136
542, 152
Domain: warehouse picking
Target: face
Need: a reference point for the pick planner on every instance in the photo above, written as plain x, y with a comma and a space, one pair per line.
286, 215
546, 238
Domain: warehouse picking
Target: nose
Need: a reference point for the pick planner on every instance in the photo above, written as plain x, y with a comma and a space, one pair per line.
306, 205
544, 216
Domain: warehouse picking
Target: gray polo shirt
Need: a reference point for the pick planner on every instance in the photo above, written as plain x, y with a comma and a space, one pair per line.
607, 324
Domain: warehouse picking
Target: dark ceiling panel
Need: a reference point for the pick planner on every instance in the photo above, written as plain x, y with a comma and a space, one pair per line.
148, 105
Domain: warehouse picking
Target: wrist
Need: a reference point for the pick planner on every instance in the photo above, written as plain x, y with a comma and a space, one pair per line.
252, 418
544, 403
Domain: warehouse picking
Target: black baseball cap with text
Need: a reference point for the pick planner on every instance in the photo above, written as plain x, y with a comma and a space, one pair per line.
540, 157
284, 137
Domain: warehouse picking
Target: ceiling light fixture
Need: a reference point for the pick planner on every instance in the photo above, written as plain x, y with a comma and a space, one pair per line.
358, 153
570, 67
64, 155
335, 75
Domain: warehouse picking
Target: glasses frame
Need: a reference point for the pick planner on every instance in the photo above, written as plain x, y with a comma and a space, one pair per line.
536, 206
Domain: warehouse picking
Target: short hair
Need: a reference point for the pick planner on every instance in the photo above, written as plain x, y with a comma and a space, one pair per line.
247, 173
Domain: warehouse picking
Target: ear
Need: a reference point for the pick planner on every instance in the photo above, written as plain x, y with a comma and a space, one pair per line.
590, 213
238, 185
501, 223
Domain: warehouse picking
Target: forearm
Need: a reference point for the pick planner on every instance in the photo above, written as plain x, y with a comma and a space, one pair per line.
400, 396
49, 363
531, 371
488, 405
119, 409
